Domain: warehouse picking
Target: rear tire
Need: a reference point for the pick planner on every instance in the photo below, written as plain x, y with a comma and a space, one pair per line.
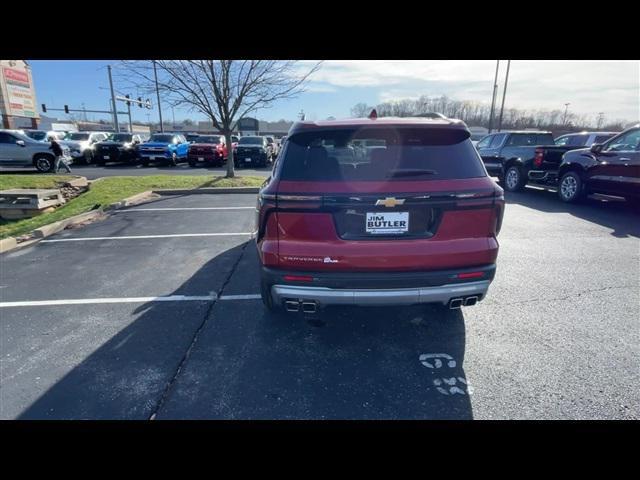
145, 163
192, 164
571, 188
514, 180
88, 157
44, 163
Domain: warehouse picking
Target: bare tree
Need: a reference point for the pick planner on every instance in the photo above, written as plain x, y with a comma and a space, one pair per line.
224, 90
360, 110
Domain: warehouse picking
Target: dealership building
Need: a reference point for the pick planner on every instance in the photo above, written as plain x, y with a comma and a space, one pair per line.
17, 95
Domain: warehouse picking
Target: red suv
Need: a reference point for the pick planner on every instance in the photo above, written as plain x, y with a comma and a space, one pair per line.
389, 211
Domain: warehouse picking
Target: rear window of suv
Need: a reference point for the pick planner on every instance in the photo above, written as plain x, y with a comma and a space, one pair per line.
380, 154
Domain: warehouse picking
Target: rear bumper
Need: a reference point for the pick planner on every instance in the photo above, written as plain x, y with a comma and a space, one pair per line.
398, 296
393, 288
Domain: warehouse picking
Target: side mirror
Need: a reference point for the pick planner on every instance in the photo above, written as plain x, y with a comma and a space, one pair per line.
20, 142
596, 148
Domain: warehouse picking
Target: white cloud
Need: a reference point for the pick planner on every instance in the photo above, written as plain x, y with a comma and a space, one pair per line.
612, 87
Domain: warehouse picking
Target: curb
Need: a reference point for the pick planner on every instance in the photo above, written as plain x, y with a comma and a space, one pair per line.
188, 191
137, 198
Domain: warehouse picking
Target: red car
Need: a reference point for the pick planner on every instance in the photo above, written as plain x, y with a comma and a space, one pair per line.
411, 220
208, 149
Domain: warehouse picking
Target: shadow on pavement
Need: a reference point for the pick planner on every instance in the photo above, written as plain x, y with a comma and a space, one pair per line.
351, 363
125, 376
618, 215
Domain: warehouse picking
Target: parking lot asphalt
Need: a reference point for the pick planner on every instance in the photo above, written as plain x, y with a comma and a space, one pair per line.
91, 172
155, 312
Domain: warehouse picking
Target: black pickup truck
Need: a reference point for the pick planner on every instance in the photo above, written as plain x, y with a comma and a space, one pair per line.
521, 158
118, 147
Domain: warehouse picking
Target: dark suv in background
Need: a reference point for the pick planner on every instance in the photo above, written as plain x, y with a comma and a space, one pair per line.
411, 221
118, 147
611, 168
253, 150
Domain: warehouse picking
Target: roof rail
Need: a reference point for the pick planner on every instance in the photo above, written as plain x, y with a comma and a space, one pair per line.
431, 115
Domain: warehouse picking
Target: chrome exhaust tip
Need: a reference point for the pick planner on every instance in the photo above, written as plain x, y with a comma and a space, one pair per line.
309, 307
455, 303
292, 306
470, 301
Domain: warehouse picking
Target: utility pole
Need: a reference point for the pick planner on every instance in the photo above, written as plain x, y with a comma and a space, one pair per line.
493, 98
113, 102
504, 94
155, 73
129, 112
173, 115
564, 118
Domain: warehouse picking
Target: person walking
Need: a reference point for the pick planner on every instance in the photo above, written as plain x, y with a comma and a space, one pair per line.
59, 160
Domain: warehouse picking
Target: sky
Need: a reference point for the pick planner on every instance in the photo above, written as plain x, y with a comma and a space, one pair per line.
612, 87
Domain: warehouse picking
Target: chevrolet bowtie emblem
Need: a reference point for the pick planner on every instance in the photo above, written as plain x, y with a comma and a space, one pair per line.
390, 202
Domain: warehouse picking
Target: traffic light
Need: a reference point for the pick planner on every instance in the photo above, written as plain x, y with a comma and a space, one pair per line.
66, 109
44, 108
128, 102
148, 104
140, 102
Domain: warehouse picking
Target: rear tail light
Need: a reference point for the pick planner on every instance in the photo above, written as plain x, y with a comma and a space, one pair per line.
470, 275
538, 158
298, 278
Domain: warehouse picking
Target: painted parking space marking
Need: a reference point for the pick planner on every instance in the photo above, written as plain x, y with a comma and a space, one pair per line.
165, 298
180, 209
437, 360
141, 237
445, 385
240, 297
86, 301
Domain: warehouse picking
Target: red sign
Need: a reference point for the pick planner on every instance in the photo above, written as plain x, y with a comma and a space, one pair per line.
16, 75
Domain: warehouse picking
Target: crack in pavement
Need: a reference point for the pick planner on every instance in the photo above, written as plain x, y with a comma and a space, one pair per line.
194, 340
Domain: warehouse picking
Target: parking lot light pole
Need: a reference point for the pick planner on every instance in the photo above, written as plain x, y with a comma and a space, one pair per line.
155, 73
493, 97
504, 94
564, 118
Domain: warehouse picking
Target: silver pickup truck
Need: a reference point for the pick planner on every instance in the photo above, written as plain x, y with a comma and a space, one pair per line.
18, 150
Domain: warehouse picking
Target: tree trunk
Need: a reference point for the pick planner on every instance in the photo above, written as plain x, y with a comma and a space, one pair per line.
230, 165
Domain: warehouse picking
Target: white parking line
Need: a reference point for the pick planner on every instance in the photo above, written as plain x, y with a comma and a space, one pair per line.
140, 237
240, 297
178, 209
85, 301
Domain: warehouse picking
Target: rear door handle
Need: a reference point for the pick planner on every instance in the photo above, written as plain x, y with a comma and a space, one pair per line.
623, 159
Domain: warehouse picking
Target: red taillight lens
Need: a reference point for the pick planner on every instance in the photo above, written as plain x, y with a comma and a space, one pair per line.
471, 275
298, 278
538, 158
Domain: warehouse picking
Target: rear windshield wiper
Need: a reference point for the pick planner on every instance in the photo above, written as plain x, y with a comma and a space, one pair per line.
411, 172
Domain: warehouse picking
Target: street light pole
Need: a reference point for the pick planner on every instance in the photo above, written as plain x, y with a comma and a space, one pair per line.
493, 97
504, 94
155, 73
113, 102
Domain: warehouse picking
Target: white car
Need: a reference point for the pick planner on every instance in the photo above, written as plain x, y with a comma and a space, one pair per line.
19, 150
584, 139
81, 144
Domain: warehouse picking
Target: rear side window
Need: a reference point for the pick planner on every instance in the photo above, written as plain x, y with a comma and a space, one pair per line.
602, 138
578, 140
380, 154
530, 139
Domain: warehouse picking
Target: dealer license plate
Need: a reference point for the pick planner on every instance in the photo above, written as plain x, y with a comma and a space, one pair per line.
387, 223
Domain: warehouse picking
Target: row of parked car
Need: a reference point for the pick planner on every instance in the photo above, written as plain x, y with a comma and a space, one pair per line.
576, 164
31, 147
